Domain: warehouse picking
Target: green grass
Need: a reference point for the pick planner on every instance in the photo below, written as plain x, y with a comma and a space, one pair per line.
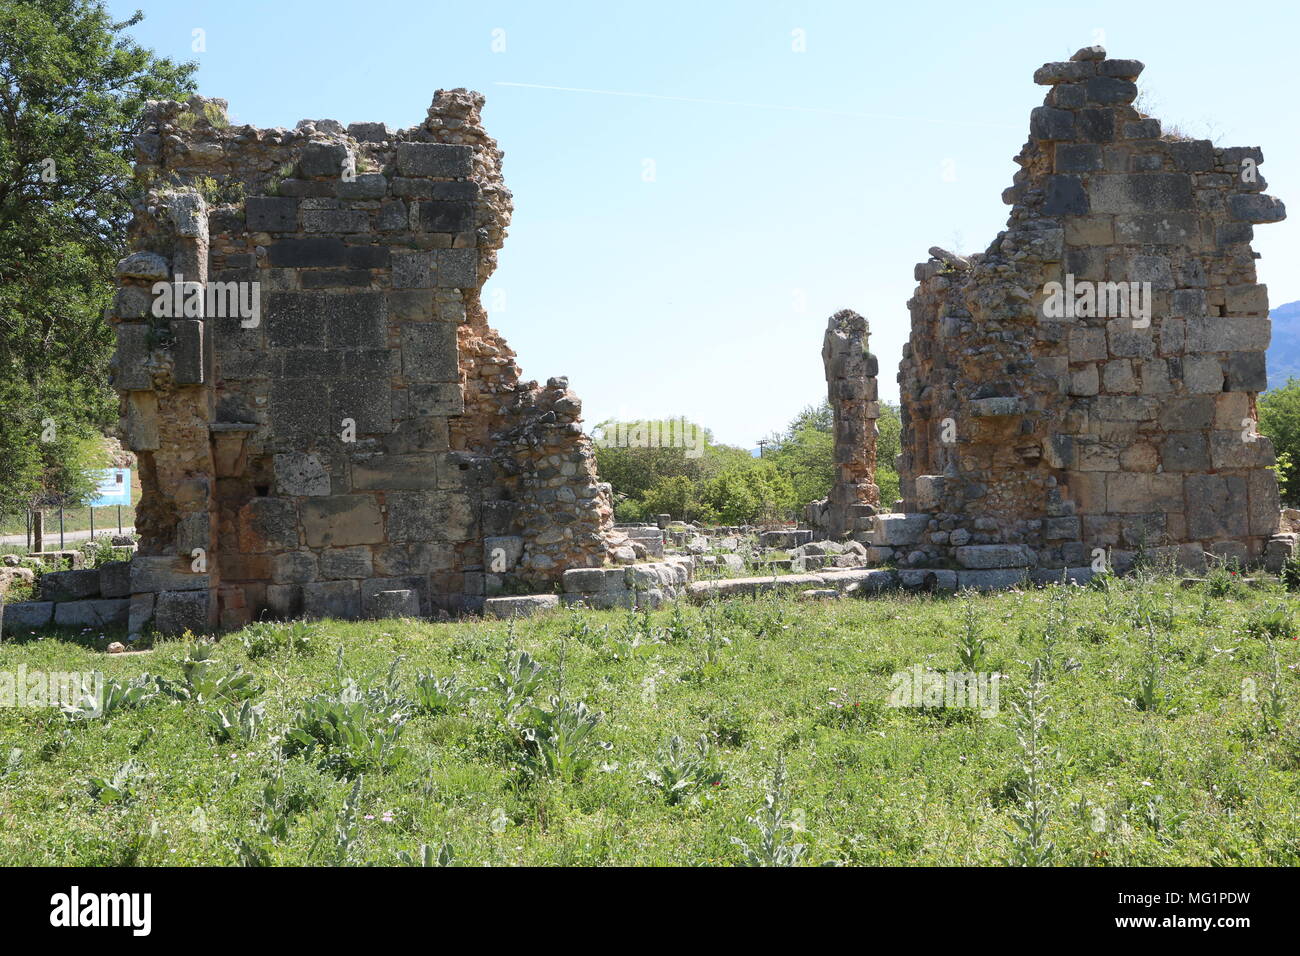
1197, 777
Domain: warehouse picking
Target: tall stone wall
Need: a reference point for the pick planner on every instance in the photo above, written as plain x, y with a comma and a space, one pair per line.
367, 430
1037, 430
851, 390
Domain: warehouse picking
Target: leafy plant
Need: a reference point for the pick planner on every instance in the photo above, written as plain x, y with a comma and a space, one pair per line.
444, 855
438, 695
1030, 846
336, 844
775, 826
204, 679
683, 774
236, 723
268, 638
119, 788
971, 644
1271, 624
516, 681
117, 697
560, 741
349, 731
1272, 707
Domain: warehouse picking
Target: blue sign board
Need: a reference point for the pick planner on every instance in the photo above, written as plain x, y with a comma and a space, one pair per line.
114, 488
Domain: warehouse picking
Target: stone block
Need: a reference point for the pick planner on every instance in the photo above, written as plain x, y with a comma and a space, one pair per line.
395, 473
444, 516
294, 567
392, 604
314, 252
1246, 371
342, 520
992, 580
986, 556
1277, 553
115, 579
1139, 193
364, 186
354, 321
1219, 507
436, 398
439, 216
178, 611
104, 612
368, 403
523, 606
70, 585
1185, 451
584, 580
343, 563
271, 214
370, 132
332, 599
1143, 493
323, 159
896, 529
434, 159
24, 616
268, 524
1265, 504
130, 364
188, 351
430, 353
1238, 334
457, 269
502, 552
1048, 123
300, 474
284, 600
165, 572
1171, 229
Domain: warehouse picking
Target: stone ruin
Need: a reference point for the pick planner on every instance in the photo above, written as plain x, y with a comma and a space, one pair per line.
851, 372
1037, 436
362, 442
366, 444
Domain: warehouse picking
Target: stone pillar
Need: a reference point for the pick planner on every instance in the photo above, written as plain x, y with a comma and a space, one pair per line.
851, 389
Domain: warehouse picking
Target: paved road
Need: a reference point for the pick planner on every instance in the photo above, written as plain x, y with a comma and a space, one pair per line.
52, 537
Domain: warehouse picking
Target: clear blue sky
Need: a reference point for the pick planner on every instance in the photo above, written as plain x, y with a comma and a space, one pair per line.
787, 184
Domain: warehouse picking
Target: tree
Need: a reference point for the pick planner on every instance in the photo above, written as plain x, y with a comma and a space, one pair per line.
805, 454
888, 445
748, 494
72, 88
1279, 421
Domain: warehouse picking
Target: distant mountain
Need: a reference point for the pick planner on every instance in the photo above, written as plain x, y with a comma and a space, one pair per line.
1284, 350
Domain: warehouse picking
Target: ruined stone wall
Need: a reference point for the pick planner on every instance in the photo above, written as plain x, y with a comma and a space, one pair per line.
1030, 437
367, 431
851, 390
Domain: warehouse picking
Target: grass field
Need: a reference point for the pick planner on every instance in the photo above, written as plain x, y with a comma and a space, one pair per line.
1162, 730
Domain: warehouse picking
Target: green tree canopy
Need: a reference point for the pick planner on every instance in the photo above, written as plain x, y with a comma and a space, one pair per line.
72, 88
1279, 421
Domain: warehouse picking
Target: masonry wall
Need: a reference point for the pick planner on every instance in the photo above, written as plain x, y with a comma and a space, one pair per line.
851, 390
1031, 439
370, 431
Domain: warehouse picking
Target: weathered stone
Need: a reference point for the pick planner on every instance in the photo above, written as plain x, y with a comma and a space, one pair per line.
399, 603
24, 616
341, 520
70, 585
524, 606
115, 579
332, 599
105, 612
983, 556
176, 612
